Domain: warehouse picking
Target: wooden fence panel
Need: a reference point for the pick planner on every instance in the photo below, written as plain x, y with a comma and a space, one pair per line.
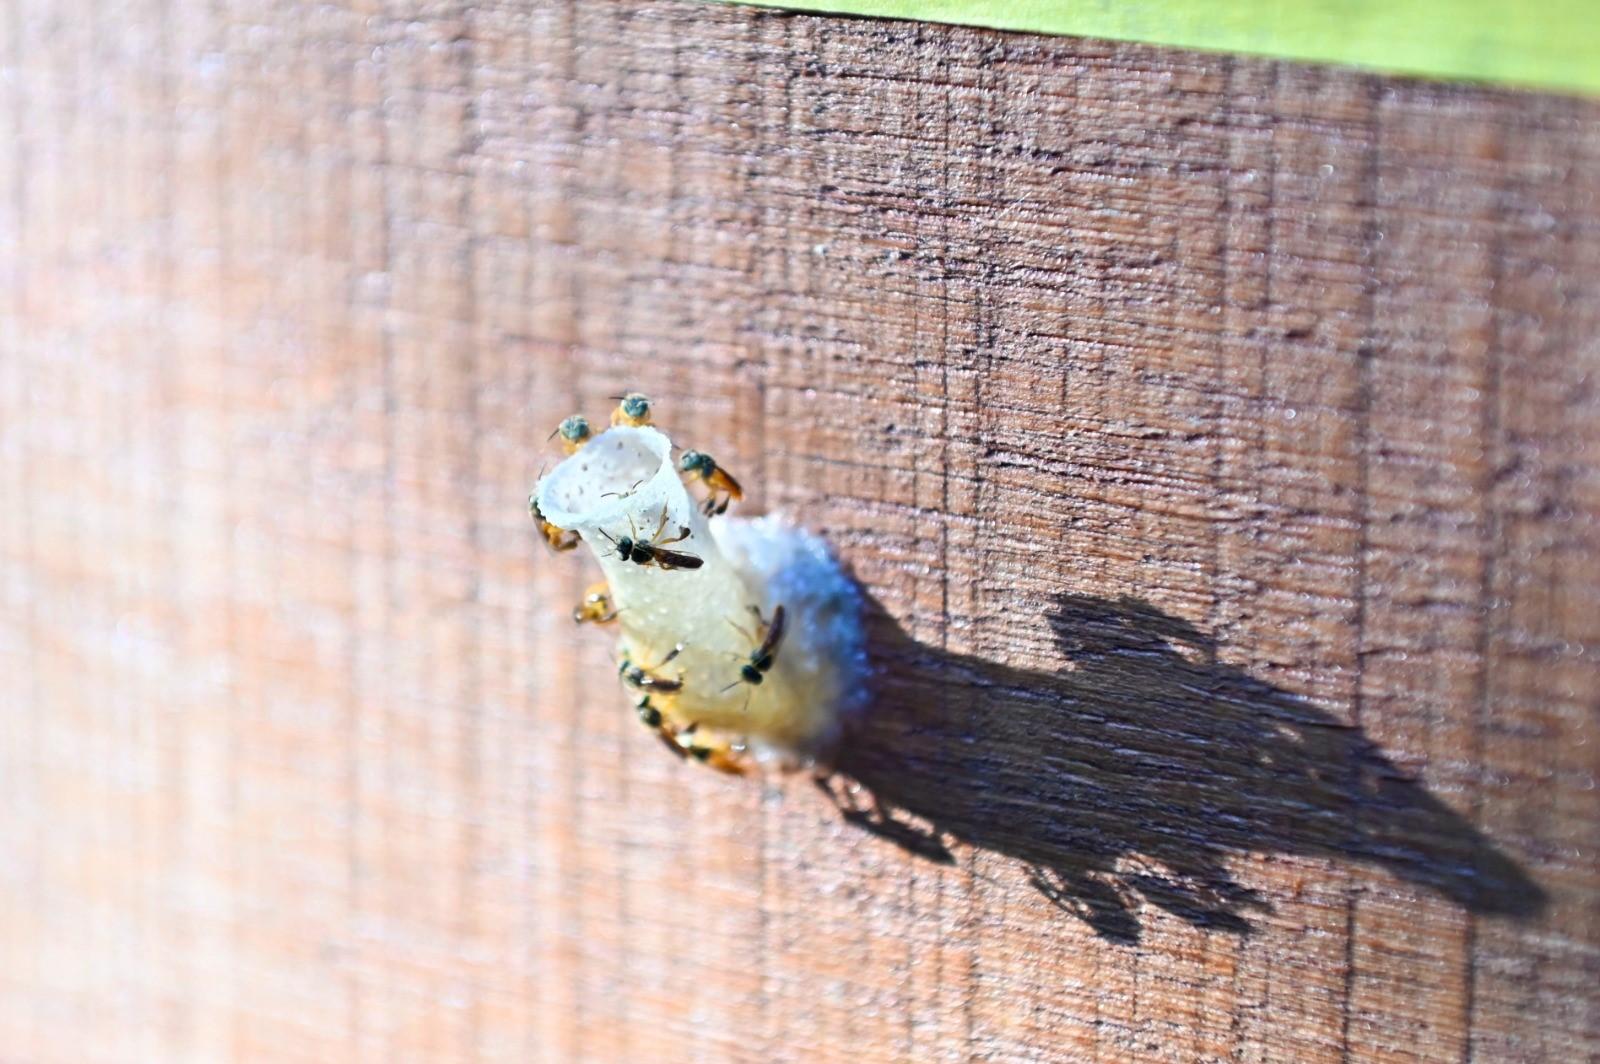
1218, 441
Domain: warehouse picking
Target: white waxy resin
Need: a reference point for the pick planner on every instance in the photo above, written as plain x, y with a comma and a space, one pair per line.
619, 485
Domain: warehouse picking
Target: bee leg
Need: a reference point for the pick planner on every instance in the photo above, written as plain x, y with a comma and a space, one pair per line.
684, 532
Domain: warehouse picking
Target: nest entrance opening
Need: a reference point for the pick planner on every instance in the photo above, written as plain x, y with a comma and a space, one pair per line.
593, 485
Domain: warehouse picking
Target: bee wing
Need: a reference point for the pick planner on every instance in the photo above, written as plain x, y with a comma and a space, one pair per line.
670, 743
677, 559
724, 480
774, 636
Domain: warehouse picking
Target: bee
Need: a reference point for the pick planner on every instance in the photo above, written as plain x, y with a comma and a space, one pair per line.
574, 432
646, 679
719, 754
596, 606
768, 637
651, 718
633, 549
719, 482
633, 410
555, 537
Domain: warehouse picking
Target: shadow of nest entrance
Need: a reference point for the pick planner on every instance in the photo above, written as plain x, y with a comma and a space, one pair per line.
1132, 776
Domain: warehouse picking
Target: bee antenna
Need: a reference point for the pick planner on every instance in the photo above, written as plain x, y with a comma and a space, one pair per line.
552, 435
730, 687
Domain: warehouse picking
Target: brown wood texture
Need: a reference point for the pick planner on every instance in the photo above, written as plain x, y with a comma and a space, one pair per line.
1218, 439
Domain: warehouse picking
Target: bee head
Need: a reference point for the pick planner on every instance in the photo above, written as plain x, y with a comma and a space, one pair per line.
574, 429
696, 462
636, 405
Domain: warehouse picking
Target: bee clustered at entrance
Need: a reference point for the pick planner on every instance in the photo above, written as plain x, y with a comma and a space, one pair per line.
737, 638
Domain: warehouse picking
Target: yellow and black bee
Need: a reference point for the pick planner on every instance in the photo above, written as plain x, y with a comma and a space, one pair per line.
555, 537
596, 606
574, 432
633, 410
722, 488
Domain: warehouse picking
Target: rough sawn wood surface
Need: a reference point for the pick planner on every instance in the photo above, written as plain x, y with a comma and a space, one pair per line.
1219, 440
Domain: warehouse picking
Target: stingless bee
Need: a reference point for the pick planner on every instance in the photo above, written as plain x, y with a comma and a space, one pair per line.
653, 552
633, 410
574, 432
722, 488
651, 718
555, 537
718, 753
596, 606
768, 636
646, 679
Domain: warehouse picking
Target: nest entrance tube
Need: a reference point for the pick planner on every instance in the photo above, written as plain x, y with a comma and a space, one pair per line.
599, 478
623, 484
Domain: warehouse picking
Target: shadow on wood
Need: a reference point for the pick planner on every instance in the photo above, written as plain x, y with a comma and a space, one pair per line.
1137, 771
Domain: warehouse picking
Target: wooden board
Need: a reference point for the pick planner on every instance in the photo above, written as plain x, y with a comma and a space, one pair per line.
1218, 439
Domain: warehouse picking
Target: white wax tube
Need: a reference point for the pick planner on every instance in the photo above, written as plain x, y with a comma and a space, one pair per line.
623, 484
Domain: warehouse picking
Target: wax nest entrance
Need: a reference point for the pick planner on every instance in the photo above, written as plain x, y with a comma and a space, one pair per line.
739, 639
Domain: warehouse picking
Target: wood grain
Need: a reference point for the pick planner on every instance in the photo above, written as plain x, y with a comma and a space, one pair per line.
1218, 439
